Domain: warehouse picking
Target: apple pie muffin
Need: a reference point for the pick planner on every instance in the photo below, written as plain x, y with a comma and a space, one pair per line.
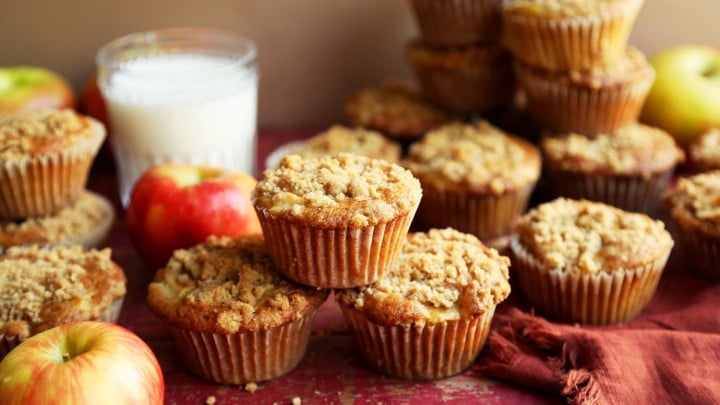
234, 318
45, 158
44, 288
335, 221
429, 316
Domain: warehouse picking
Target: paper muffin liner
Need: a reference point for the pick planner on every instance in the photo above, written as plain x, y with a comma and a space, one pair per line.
630, 193
701, 250
419, 352
562, 44
487, 216
42, 185
244, 357
457, 22
599, 299
469, 84
333, 257
558, 105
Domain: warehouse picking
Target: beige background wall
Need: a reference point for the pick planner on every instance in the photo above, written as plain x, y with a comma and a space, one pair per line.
312, 52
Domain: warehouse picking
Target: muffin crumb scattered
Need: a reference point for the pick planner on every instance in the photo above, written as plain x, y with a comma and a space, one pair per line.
251, 387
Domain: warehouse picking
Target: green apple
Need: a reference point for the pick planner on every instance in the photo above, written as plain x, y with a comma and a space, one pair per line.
685, 98
27, 88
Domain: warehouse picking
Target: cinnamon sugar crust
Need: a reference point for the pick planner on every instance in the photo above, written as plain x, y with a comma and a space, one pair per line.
568, 8
478, 158
635, 149
43, 131
338, 139
337, 191
695, 202
228, 285
587, 237
440, 275
84, 222
43, 288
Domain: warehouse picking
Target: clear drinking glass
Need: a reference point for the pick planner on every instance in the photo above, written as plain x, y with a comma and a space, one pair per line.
182, 95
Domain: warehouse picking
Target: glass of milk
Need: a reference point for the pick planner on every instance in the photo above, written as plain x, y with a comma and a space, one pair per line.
182, 95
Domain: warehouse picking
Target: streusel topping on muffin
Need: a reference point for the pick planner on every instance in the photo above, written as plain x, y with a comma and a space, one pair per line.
698, 196
439, 275
42, 288
480, 157
358, 141
338, 190
705, 149
633, 149
589, 237
565, 8
228, 285
42, 130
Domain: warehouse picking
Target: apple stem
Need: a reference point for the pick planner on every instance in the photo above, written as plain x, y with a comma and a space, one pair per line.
66, 356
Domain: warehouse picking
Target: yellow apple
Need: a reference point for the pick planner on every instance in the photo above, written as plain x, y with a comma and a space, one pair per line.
27, 88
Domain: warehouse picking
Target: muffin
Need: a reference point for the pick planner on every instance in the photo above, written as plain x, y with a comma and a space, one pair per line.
473, 79
45, 158
588, 262
694, 210
704, 151
339, 139
596, 100
562, 35
44, 288
628, 168
457, 22
475, 178
396, 109
86, 222
337, 221
234, 318
429, 316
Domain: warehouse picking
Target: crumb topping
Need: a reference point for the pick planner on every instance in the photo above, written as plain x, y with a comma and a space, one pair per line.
635, 149
338, 190
697, 198
359, 141
590, 237
394, 108
451, 58
41, 131
568, 8
77, 219
442, 273
227, 285
43, 288
479, 157
705, 150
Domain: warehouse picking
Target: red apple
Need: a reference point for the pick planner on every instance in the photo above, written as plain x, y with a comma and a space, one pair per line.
174, 206
82, 363
27, 88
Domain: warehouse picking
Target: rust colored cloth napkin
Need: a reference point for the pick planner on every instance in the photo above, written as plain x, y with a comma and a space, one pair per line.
670, 354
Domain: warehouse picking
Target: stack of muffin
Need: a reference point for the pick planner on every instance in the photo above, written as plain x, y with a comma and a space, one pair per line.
47, 277
585, 87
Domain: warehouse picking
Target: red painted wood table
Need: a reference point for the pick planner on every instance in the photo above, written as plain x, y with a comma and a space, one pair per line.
330, 373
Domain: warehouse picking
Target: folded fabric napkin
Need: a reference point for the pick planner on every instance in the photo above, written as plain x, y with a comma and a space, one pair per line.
670, 354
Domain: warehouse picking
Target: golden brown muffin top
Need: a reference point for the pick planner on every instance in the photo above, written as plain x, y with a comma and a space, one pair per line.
439, 275
479, 158
344, 190
43, 131
695, 201
452, 58
80, 218
568, 8
394, 108
43, 288
359, 141
704, 150
635, 149
228, 285
588, 237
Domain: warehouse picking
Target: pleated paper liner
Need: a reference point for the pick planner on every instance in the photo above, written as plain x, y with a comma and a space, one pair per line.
457, 22
701, 249
419, 352
42, 185
333, 257
562, 106
244, 357
630, 193
567, 43
600, 299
